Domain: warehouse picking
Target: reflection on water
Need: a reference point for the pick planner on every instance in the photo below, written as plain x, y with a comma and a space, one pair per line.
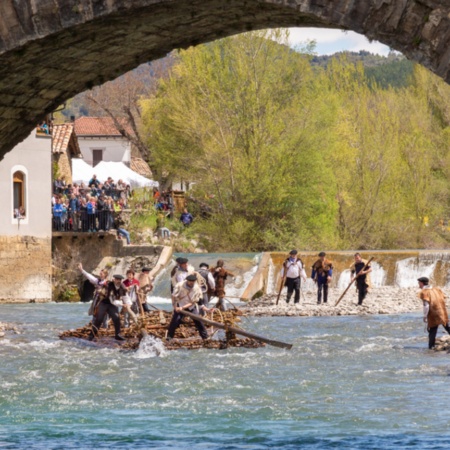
349, 382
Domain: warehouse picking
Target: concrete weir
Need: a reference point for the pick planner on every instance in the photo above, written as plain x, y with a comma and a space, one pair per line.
398, 268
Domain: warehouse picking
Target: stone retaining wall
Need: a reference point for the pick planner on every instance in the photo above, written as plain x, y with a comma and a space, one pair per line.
25, 269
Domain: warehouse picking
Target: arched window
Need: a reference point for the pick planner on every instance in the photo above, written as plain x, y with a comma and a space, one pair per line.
19, 195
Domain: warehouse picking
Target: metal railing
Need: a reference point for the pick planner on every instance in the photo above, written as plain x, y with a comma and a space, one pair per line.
83, 221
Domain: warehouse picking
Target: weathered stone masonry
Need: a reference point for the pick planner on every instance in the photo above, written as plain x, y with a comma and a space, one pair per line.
27, 261
51, 50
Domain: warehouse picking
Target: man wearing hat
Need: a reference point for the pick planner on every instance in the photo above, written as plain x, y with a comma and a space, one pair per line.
185, 297
220, 275
293, 269
322, 271
434, 309
116, 294
362, 277
146, 286
207, 284
181, 271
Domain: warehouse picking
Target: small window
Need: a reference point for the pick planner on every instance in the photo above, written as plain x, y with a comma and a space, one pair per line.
19, 185
97, 156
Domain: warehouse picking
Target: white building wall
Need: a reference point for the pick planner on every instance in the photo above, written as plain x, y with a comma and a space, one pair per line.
32, 157
114, 149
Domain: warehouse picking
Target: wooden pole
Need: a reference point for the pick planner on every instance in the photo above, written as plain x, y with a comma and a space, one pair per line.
354, 279
283, 280
237, 330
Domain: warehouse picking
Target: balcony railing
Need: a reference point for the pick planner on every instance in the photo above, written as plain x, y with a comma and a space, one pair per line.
82, 221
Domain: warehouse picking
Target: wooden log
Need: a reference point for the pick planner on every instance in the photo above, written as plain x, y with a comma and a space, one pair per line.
237, 331
354, 279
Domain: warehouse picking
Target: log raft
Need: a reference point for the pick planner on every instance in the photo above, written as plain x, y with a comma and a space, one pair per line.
155, 323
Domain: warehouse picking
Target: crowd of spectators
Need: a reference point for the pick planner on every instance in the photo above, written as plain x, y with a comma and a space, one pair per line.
93, 207
97, 206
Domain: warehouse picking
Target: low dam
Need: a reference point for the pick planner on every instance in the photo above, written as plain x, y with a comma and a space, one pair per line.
399, 268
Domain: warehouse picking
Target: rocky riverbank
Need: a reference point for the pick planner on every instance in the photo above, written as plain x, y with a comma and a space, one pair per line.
382, 300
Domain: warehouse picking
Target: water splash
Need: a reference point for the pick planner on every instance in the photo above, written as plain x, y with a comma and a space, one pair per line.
150, 347
408, 270
377, 276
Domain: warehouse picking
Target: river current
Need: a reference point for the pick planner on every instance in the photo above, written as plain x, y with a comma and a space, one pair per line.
348, 382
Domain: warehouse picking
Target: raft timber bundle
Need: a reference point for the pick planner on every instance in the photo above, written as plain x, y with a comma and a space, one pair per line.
155, 324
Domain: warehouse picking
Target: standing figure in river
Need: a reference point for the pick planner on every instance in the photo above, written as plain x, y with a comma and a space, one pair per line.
145, 287
220, 275
101, 285
362, 277
185, 297
322, 271
434, 309
294, 271
207, 284
114, 297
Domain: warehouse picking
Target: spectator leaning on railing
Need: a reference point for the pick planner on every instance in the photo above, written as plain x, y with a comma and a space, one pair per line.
82, 208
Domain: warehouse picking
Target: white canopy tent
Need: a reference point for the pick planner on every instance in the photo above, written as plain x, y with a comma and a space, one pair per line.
82, 172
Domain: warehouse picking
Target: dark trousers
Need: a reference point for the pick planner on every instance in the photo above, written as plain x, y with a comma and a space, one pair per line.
176, 321
432, 335
322, 287
204, 301
102, 310
293, 284
362, 292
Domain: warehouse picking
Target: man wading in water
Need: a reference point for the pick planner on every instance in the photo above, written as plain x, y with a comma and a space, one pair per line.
434, 310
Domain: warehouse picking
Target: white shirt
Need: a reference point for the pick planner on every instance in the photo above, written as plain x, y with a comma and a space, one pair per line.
183, 294
294, 268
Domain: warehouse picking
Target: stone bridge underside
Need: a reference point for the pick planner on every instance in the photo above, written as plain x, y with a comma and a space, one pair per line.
51, 50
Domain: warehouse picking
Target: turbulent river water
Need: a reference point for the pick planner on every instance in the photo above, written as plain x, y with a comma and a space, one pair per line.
349, 382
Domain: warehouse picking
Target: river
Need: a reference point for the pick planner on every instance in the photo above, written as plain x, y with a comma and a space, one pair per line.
349, 382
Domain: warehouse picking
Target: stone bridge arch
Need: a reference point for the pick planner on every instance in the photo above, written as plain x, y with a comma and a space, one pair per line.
51, 50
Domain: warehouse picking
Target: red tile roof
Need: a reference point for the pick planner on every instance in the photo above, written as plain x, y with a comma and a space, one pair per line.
63, 138
96, 126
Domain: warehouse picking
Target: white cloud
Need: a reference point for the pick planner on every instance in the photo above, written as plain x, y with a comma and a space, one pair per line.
332, 41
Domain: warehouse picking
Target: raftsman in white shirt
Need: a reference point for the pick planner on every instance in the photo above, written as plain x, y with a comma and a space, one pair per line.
294, 269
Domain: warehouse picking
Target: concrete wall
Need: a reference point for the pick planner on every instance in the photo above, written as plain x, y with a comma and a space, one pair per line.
114, 149
33, 158
25, 244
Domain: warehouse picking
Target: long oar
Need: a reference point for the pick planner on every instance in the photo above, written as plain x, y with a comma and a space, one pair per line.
281, 287
237, 330
354, 279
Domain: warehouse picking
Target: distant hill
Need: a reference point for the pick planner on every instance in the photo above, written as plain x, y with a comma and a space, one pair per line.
393, 70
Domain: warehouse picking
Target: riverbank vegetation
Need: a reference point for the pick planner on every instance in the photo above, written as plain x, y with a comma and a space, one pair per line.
287, 153
285, 150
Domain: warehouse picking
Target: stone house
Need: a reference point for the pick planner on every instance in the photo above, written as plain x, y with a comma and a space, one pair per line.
25, 221
100, 140
64, 148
